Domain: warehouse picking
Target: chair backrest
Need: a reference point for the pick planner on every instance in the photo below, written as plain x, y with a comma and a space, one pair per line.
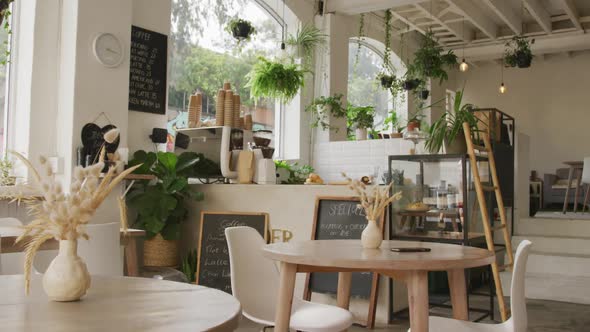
517, 294
102, 253
12, 263
248, 268
586, 171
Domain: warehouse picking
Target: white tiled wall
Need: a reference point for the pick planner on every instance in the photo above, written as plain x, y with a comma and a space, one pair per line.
357, 158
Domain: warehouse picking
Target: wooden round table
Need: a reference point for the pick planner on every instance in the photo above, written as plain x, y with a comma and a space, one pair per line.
347, 256
118, 304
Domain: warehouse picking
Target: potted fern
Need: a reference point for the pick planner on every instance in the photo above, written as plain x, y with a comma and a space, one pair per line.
270, 79
323, 107
161, 204
518, 52
447, 131
430, 60
240, 29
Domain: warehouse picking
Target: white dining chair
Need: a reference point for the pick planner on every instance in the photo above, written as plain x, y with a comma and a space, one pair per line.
102, 252
249, 267
11, 263
516, 323
586, 180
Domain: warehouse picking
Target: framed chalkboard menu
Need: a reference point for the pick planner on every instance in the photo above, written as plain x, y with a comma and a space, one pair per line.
147, 71
213, 268
338, 218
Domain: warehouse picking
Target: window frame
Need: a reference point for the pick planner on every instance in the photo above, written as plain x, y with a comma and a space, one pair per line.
10, 74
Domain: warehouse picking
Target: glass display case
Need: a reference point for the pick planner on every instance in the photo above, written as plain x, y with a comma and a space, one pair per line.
439, 201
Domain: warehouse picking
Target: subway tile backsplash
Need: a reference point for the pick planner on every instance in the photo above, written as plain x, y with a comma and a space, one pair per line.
357, 158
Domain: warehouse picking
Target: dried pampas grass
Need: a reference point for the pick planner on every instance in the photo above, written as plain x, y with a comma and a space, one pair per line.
63, 214
373, 198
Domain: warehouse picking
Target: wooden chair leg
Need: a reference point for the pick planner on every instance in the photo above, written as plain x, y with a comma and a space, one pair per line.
586, 197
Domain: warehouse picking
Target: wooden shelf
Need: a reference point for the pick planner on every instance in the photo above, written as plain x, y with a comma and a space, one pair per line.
136, 176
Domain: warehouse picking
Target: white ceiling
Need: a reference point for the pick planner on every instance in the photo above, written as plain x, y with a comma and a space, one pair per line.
474, 23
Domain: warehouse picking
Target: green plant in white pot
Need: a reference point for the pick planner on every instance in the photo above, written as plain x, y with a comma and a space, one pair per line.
447, 131
360, 118
322, 108
161, 204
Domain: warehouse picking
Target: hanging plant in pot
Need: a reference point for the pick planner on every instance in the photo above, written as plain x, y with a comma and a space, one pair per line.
360, 118
161, 204
424, 94
447, 131
323, 108
240, 29
386, 80
304, 43
373, 199
270, 79
518, 52
63, 215
430, 61
410, 84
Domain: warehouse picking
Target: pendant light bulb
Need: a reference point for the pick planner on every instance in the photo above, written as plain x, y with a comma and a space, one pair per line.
463, 66
502, 88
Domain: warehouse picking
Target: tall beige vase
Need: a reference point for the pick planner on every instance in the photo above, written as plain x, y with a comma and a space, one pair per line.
67, 278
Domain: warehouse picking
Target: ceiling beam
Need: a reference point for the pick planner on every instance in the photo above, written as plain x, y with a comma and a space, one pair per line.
358, 7
408, 22
475, 16
572, 12
503, 9
547, 44
539, 13
465, 35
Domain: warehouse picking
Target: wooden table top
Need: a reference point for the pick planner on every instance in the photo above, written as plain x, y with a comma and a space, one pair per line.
118, 304
574, 164
349, 254
9, 234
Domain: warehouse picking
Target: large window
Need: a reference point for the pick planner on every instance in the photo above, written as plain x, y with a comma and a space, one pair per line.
204, 56
365, 63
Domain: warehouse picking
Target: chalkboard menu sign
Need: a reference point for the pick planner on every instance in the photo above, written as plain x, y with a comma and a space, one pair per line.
338, 218
213, 268
147, 71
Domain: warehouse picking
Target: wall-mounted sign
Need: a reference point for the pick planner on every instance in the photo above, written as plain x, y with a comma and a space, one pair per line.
147, 71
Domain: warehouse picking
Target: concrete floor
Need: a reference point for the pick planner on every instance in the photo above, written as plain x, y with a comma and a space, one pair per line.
543, 316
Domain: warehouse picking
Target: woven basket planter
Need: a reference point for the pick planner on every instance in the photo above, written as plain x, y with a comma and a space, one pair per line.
158, 252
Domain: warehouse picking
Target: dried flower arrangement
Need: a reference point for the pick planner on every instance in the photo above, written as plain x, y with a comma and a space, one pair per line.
373, 198
61, 214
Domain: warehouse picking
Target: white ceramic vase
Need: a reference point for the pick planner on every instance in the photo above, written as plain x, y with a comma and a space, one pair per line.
361, 134
371, 237
67, 277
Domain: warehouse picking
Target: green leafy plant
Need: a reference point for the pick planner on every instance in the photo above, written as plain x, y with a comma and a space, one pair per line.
240, 29
189, 266
322, 107
160, 204
430, 60
360, 117
276, 80
393, 122
5, 15
6, 179
450, 125
359, 39
518, 52
306, 40
297, 173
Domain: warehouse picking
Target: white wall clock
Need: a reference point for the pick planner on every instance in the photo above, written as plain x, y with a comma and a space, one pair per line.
108, 50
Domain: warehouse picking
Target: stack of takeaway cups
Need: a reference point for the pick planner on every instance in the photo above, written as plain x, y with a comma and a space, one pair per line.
219, 105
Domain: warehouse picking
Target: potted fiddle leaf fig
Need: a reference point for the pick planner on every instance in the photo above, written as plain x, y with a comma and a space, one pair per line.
161, 203
240, 29
447, 131
518, 52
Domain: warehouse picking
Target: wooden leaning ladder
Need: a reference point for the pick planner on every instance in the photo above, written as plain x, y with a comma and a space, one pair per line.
487, 225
